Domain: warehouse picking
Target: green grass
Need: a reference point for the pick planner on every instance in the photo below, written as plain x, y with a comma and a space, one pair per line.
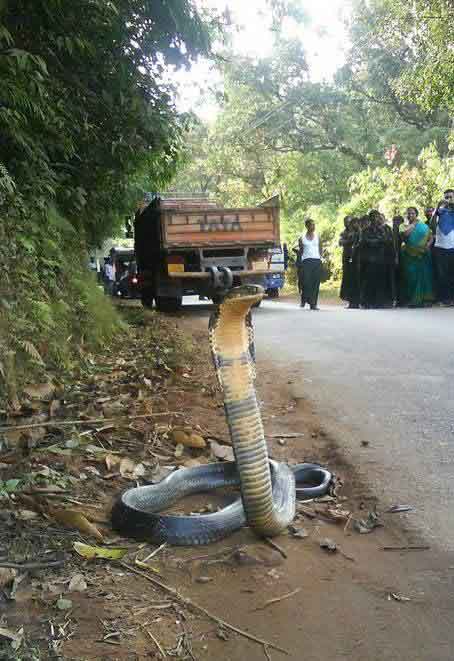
329, 292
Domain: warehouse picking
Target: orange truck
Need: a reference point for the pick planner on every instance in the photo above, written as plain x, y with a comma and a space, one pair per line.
180, 243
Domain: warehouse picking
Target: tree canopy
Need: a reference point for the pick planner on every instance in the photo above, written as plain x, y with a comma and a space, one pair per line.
87, 123
278, 130
84, 102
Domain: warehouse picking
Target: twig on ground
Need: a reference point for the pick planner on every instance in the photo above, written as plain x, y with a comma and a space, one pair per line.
93, 421
55, 491
157, 643
223, 552
348, 557
33, 565
191, 604
267, 654
276, 600
347, 523
275, 546
155, 552
406, 548
109, 641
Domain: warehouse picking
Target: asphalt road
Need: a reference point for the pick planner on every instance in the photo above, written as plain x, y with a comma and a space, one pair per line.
385, 377
382, 376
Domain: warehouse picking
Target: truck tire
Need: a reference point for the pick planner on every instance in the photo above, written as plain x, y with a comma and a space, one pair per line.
273, 293
167, 304
147, 298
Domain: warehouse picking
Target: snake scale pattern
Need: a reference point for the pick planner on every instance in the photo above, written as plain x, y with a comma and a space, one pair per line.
268, 489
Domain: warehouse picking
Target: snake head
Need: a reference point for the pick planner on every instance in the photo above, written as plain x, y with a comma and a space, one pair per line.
247, 295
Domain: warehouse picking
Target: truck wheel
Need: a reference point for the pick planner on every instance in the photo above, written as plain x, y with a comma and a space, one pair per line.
166, 304
273, 293
147, 298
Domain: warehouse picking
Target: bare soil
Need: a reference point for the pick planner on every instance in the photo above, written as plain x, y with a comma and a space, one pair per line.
351, 603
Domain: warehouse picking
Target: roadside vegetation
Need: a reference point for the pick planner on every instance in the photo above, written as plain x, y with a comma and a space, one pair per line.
327, 148
87, 123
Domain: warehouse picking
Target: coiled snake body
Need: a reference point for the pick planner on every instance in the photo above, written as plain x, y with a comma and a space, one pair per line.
268, 488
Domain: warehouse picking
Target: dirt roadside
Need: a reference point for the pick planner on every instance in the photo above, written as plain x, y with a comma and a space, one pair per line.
351, 603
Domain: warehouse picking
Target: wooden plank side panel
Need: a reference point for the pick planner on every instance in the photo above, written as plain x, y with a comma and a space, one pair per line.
215, 238
173, 230
206, 227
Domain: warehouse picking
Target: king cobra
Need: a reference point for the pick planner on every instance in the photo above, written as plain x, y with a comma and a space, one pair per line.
268, 489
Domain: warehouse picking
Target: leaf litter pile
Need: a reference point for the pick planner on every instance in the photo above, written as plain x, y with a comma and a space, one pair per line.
68, 583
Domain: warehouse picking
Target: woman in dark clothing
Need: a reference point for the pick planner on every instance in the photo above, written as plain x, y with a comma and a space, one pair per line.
390, 261
310, 251
398, 293
377, 260
350, 277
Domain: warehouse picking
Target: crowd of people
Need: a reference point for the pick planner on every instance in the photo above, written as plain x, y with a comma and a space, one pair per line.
410, 263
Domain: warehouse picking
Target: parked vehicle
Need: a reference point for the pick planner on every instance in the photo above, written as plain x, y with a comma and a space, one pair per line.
178, 241
275, 278
126, 282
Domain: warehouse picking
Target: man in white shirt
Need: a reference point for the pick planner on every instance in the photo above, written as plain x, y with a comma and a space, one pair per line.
109, 277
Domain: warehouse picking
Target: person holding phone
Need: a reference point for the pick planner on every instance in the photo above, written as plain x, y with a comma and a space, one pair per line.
444, 247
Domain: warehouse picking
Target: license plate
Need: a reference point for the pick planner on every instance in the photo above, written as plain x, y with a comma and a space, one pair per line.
175, 268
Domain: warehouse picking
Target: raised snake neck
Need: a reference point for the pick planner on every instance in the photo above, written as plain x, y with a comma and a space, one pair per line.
232, 346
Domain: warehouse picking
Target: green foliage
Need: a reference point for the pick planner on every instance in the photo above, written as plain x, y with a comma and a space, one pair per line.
322, 146
87, 123
84, 106
391, 191
405, 51
51, 307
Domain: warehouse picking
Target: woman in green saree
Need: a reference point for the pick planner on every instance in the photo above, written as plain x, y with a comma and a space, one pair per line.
416, 261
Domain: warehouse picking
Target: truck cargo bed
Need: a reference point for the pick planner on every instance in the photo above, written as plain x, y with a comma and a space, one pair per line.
185, 228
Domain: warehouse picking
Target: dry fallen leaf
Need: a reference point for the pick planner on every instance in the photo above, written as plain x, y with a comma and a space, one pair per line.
26, 515
91, 552
41, 391
75, 519
139, 470
64, 604
6, 576
77, 583
127, 467
54, 407
179, 436
10, 635
112, 460
12, 437
144, 565
189, 439
397, 596
196, 441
